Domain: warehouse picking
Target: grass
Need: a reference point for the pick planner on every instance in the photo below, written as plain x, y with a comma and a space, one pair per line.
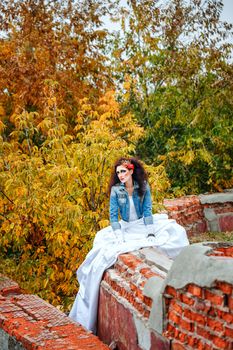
212, 237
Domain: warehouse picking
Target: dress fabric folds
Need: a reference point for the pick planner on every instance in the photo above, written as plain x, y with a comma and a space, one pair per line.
170, 238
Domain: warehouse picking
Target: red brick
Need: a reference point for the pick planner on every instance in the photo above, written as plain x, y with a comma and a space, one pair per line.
201, 227
188, 314
10, 290
192, 341
178, 346
226, 316
172, 316
226, 224
139, 294
212, 312
203, 333
202, 305
177, 332
146, 313
195, 290
215, 325
230, 302
149, 274
214, 298
187, 300
8, 286
170, 331
203, 346
182, 337
200, 319
148, 301
171, 291
220, 343
229, 331
133, 287
176, 306
130, 260
158, 342
225, 287
186, 324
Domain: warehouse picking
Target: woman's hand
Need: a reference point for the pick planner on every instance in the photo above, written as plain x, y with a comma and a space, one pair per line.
119, 236
150, 233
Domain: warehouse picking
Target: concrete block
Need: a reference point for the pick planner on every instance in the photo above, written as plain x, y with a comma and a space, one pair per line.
212, 220
154, 257
216, 198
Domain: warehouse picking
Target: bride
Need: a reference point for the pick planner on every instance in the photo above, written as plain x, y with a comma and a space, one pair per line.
130, 198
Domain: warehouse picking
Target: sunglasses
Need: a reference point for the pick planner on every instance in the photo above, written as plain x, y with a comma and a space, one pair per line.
121, 171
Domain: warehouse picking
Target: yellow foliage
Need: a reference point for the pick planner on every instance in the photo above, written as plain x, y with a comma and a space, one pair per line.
54, 197
187, 157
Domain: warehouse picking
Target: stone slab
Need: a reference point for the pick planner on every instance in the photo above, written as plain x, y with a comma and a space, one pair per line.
154, 257
216, 198
212, 220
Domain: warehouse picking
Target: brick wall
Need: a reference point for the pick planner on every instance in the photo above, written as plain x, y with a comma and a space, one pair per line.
124, 308
199, 317
209, 212
147, 303
28, 322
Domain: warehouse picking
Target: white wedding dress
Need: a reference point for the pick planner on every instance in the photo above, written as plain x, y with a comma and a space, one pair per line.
170, 238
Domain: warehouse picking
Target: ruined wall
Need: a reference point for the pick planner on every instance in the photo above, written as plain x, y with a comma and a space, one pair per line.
199, 314
148, 302
29, 323
207, 212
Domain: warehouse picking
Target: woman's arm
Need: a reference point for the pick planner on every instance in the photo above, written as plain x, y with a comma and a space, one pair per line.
113, 210
147, 207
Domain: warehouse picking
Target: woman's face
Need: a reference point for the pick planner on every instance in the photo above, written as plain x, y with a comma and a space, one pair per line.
123, 173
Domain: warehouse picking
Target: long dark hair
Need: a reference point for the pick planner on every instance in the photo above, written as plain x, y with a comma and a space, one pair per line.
139, 174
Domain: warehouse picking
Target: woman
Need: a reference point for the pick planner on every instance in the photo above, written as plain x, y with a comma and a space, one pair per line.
130, 197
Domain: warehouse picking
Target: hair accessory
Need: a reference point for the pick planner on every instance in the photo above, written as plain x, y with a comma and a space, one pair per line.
127, 164
130, 166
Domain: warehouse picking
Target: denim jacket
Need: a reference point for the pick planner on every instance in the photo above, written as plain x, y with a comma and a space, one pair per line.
119, 201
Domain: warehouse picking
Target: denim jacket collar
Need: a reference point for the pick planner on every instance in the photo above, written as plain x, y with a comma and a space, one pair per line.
135, 185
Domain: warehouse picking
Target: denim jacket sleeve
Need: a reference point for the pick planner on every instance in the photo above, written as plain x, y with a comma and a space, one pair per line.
113, 209
147, 207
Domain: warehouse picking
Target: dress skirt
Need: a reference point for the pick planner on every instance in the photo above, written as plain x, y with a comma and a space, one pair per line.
170, 238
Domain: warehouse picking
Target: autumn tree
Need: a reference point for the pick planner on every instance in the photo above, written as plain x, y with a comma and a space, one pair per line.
53, 45
175, 63
60, 131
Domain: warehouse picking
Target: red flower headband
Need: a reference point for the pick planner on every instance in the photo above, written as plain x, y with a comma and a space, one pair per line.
128, 165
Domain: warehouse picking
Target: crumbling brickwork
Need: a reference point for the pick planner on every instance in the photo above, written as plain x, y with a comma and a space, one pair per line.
28, 322
198, 214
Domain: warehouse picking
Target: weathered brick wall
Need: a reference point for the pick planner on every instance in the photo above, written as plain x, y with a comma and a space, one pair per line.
28, 322
145, 303
124, 309
209, 212
201, 317
188, 212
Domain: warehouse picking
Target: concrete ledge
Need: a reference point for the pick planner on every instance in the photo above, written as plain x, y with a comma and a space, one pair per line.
216, 198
